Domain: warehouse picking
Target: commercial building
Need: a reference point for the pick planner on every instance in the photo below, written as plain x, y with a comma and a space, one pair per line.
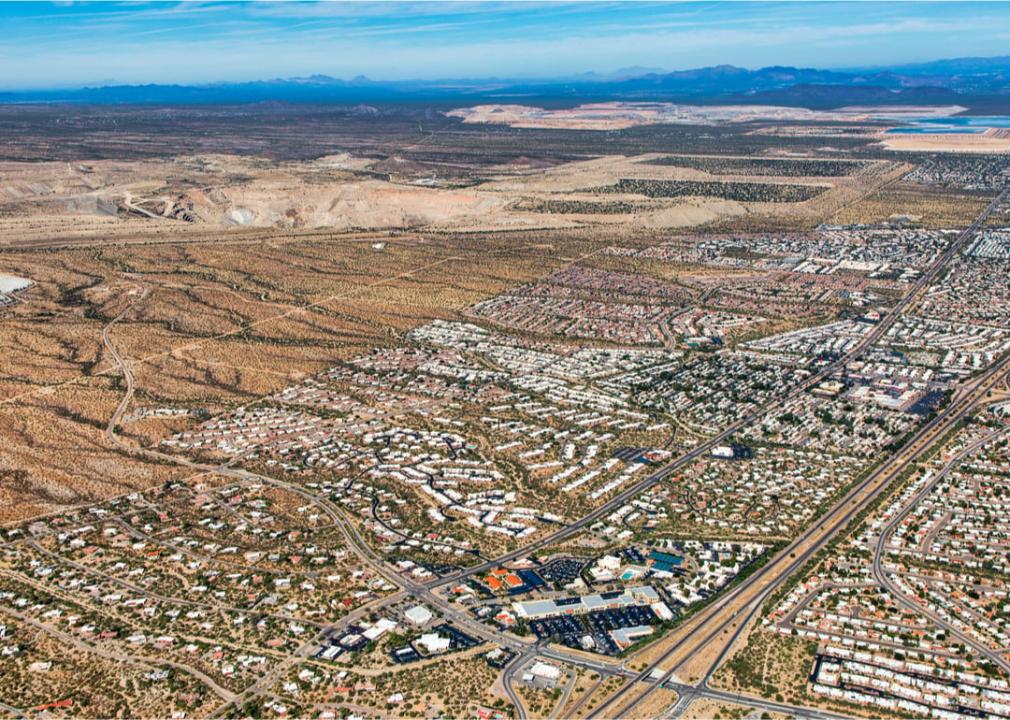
535, 609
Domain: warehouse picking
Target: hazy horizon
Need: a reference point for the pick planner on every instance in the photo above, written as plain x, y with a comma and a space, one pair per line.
54, 45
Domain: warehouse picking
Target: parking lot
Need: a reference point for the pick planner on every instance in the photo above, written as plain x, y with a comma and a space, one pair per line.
457, 640
562, 570
571, 630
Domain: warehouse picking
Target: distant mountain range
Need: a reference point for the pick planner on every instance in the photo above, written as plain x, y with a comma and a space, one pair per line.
968, 81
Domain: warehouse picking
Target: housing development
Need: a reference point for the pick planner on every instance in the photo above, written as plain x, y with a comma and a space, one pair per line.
490, 410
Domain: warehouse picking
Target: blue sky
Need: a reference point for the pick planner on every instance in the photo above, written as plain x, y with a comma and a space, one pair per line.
72, 44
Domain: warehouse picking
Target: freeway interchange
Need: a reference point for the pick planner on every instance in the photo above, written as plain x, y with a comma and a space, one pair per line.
693, 651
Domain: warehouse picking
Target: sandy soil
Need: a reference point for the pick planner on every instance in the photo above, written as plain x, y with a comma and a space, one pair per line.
620, 115
658, 701
49, 200
948, 142
706, 709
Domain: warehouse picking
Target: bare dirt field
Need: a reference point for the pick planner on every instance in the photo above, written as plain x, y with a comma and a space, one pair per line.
706, 709
180, 264
621, 115
228, 270
948, 142
44, 202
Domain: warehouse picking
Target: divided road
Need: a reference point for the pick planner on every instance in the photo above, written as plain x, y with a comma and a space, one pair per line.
723, 621
880, 551
730, 616
871, 338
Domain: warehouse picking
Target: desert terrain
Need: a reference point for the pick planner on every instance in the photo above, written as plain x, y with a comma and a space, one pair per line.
492, 411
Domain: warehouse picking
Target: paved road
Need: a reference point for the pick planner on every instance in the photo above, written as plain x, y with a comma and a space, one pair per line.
148, 592
714, 627
769, 706
140, 661
354, 541
766, 580
10, 709
880, 552
508, 678
878, 332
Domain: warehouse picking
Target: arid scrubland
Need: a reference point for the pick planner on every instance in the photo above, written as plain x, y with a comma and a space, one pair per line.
412, 414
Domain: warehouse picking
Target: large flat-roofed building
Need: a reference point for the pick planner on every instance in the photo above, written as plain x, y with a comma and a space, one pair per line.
534, 609
626, 637
434, 643
418, 615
